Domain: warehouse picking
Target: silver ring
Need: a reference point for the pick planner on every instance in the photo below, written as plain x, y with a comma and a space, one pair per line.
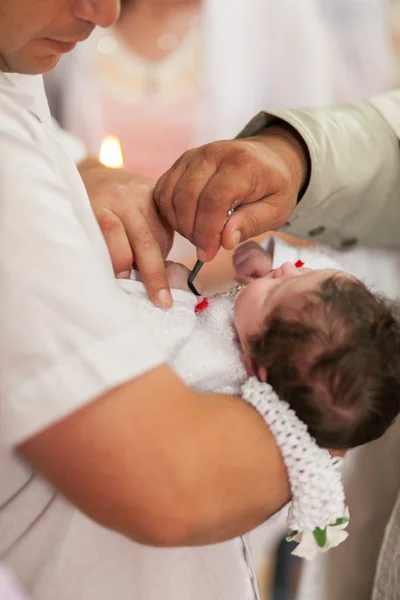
232, 209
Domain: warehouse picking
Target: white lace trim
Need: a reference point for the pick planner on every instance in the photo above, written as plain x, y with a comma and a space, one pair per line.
318, 513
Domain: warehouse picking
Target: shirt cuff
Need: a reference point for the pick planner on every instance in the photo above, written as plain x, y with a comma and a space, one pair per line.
354, 160
305, 126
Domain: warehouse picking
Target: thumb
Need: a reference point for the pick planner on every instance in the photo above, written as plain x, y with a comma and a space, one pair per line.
251, 220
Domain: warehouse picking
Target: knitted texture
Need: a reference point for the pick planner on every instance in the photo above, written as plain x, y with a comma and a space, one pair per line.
317, 491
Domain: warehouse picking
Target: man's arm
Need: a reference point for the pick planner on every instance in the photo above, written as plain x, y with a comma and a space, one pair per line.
165, 466
347, 159
354, 188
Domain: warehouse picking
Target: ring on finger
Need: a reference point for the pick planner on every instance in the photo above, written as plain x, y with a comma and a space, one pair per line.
232, 209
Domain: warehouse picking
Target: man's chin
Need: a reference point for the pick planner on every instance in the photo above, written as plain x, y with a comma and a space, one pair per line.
36, 66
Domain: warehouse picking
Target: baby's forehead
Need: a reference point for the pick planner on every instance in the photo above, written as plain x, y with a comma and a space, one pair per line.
306, 290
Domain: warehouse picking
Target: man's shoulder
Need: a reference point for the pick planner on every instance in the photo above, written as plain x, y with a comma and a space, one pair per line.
17, 117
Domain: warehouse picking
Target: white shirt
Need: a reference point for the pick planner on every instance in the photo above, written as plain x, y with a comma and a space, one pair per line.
68, 333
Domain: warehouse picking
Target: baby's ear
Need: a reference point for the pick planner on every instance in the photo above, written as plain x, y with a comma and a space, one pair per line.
262, 374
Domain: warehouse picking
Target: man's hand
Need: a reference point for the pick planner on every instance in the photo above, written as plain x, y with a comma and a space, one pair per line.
262, 176
132, 226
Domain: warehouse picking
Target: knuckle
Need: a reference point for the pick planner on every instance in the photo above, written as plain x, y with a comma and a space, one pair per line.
186, 191
141, 190
244, 156
108, 221
213, 152
182, 161
116, 193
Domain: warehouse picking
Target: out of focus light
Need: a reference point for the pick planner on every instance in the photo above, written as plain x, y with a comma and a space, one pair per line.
107, 44
111, 152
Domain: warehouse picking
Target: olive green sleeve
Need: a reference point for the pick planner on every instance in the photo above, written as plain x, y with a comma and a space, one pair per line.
354, 190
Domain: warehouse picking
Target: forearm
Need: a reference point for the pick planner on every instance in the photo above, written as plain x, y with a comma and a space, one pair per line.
237, 478
355, 173
163, 465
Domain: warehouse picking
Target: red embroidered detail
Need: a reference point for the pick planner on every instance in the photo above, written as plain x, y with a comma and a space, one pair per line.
299, 264
201, 306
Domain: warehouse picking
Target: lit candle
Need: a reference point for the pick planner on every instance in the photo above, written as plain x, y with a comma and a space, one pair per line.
111, 152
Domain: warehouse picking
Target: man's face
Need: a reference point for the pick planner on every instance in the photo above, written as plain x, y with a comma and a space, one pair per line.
35, 33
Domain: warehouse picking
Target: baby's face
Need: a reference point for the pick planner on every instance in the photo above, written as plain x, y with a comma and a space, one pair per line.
286, 285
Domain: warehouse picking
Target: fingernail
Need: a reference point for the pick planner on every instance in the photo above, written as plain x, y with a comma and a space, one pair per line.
201, 254
164, 299
124, 275
236, 237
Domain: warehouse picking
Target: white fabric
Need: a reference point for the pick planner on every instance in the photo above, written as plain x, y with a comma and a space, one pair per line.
9, 588
199, 346
275, 54
362, 29
65, 318
72, 145
68, 333
317, 491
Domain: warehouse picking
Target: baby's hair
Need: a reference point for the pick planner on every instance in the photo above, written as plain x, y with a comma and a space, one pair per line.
336, 361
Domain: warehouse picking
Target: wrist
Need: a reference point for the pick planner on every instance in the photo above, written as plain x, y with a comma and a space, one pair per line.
292, 149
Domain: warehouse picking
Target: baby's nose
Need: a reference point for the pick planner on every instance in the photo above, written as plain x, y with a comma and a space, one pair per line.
288, 269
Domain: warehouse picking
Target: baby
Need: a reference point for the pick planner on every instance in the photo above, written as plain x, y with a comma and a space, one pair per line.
325, 343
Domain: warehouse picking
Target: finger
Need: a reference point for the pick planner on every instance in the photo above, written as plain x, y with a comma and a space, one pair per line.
117, 241
187, 193
149, 260
220, 193
163, 193
251, 220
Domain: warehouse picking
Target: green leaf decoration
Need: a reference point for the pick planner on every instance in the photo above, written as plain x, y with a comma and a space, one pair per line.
340, 521
320, 536
292, 534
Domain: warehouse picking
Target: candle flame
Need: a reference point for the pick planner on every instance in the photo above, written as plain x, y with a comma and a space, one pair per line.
111, 152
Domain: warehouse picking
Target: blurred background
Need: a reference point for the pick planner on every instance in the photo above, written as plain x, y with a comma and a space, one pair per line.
173, 74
